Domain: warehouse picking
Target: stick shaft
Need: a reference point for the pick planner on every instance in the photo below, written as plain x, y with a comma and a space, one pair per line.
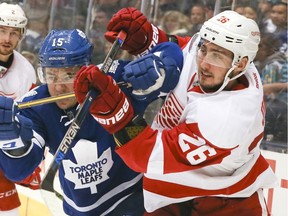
24, 105
51, 99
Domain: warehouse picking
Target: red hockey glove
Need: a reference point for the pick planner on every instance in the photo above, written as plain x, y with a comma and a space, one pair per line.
142, 36
33, 181
111, 108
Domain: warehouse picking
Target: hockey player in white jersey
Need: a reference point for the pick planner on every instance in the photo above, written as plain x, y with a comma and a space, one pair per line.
17, 77
94, 179
201, 156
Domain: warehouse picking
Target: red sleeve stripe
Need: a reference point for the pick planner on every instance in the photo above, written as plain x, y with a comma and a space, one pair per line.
255, 142
179, 191
284, 183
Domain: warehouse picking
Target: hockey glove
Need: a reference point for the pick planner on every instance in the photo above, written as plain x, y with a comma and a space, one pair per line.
111, 108
33, 181
153, 75
142, 36
15, 130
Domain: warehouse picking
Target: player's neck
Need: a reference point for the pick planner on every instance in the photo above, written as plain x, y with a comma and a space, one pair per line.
6, 59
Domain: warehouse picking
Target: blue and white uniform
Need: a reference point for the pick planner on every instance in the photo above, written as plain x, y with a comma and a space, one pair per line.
89, 174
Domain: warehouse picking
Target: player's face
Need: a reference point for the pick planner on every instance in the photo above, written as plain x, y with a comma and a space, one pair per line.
213, 63
60, 81
9, 39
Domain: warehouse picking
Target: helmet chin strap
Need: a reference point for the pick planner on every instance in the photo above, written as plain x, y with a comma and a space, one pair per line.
227, 79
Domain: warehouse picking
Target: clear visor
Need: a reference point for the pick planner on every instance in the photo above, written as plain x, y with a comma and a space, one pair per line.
213, 55
57, 75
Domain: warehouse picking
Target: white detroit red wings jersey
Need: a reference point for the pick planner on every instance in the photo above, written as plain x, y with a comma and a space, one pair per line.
207, 146
19, 78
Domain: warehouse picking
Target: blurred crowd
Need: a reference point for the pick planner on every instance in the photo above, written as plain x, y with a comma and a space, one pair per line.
181, 17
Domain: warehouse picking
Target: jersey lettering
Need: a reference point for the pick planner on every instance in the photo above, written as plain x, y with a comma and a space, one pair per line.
88, 172
199, 154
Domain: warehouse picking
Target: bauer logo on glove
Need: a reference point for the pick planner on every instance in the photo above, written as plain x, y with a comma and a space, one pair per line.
117, 117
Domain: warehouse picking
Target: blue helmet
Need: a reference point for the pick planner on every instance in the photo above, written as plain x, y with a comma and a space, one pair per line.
65, 48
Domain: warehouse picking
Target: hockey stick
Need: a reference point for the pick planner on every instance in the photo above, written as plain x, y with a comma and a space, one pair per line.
42, 101
28, 104
47, 184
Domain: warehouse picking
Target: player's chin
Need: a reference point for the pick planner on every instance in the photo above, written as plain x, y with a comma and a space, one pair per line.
66, 103
206, 83
6, 50
208, 87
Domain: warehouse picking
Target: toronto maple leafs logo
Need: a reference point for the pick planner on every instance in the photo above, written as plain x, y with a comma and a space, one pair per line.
90, 170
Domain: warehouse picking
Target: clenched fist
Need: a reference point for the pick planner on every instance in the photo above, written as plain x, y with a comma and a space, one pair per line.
142, 36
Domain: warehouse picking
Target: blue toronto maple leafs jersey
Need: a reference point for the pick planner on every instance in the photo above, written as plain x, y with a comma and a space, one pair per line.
93, 177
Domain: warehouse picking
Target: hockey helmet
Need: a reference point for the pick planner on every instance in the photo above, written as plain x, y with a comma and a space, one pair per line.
12, 15
65, 48
62, 49
233, 32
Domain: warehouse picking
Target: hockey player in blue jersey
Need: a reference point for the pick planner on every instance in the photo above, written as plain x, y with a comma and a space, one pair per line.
94, 180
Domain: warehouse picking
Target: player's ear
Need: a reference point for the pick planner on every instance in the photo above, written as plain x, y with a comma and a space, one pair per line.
242, 63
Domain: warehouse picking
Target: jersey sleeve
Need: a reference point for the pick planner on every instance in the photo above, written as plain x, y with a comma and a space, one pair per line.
17, 169
180, 149
207, 137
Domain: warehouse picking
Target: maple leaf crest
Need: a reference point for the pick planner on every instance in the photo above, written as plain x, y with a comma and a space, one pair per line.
90, 170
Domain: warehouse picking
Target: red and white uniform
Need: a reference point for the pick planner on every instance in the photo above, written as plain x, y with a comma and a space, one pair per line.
202, 145
18, 80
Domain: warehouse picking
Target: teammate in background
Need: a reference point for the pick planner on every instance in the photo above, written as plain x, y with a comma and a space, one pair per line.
201, 156
17, 77
94, 179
